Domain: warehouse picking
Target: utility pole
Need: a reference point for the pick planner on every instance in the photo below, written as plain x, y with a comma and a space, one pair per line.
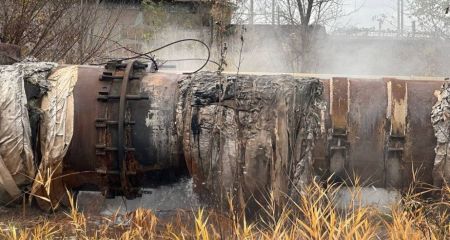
278, 15
252, 12
273, 12
400, 15
402, 9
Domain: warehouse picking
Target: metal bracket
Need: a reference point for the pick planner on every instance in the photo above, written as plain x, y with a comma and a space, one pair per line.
114, 147
337, 141
397, 110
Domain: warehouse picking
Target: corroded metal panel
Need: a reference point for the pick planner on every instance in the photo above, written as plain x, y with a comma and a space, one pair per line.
80, 162
339, 102
338, 139
397, 106
155, 133
396, 115
81, 154
420, 141
366, 127
388, 130
149, 137
357, 110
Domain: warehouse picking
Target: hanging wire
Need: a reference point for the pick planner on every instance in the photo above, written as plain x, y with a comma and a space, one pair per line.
149, 56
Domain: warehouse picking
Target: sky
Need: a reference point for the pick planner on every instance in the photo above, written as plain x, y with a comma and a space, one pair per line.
363, 11
358, 13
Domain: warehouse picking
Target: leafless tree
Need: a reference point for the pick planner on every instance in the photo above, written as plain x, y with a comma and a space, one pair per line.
71, 31
432, 16
307, 12
310, 18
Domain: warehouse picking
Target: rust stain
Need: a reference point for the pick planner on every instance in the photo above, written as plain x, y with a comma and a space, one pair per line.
420, 140
366, 130
397, 106
339, 102
367, 124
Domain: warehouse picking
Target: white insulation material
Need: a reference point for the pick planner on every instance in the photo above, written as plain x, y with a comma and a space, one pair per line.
16, 155
56, 127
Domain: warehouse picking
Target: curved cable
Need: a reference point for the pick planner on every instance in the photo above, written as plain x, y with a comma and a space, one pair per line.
147, 54
176, 42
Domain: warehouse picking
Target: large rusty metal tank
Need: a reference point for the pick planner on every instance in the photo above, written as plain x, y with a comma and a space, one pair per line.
125, 129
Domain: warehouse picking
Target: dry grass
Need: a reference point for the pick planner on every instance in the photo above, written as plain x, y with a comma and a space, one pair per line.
312, 216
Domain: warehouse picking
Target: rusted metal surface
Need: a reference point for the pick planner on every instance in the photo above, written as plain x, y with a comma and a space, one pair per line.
396, 115
389, 134
367, 130
397, 106
114, 127
420, 140
338, 139
155, 120
339, 103
124, 128
81, 155
81, 163
375, 128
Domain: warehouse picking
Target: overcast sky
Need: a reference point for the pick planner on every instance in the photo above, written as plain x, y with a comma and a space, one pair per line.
367, 9
359, 13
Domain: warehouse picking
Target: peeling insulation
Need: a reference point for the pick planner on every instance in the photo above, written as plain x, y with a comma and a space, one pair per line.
16, 155
245, 135
56, 130
440, 117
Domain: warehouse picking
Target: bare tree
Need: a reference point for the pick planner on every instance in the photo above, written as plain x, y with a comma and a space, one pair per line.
432, 17
307, 12
72, 31
310, 18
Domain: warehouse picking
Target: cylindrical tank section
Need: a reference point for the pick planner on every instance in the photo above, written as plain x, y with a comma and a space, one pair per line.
123, 129
378, 129
243, 135
247, 133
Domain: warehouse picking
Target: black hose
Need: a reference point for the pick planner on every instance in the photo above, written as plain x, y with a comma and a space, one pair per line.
172, 43
147, 54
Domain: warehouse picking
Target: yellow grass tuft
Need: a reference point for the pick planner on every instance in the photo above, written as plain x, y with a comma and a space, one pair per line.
313, 215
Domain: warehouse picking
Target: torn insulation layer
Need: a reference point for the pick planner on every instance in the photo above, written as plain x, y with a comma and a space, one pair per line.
246, 135
56, 131
440, 117
17, 166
